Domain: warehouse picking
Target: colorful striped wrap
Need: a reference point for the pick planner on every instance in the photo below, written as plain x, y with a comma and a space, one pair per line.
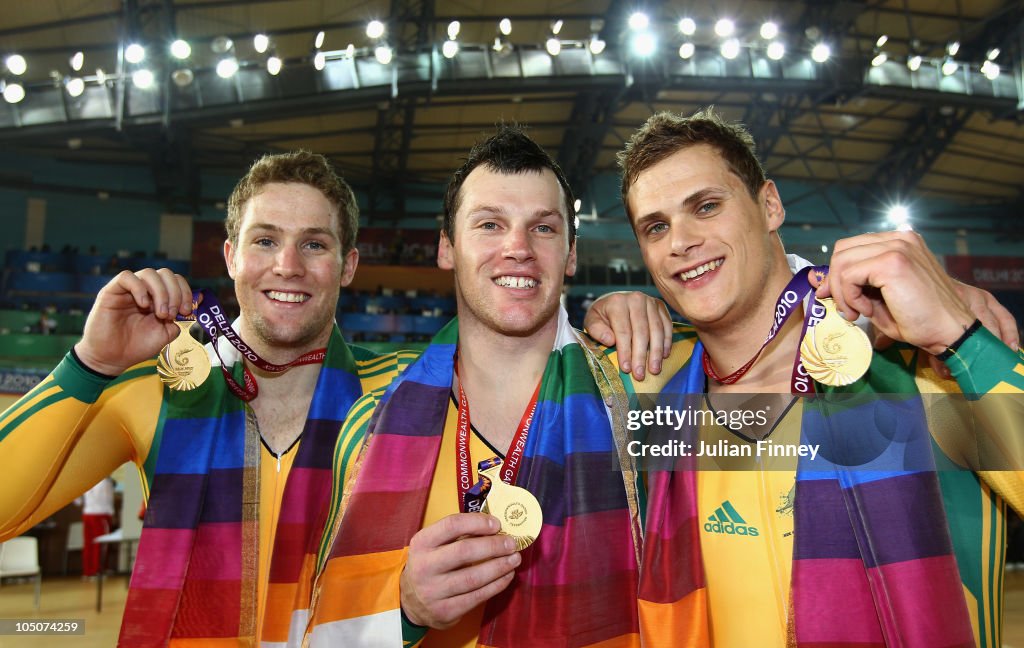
577, 583
195, 574
873, 564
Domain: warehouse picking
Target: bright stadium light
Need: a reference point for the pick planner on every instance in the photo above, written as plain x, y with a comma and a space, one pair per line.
821, 53
319, 61
180, 49
686, 50
260, 43
142, 79
776, 50
374, 29
16, 64
383, 54
724, 28
553, 46
639, 21
13, 93
769, 30
75, 86
227, 67
450, 49
505, 26
77, 61
731, 48
134, 53
898, 215
453, 29
879, 59
687, 27
273, 65
643, 44
914, 63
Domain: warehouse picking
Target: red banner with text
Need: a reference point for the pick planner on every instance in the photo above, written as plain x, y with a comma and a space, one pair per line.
988, 272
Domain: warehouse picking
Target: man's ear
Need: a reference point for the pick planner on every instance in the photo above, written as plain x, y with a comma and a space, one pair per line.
229, 257
445, 253
772, 202
349, 271
570, 264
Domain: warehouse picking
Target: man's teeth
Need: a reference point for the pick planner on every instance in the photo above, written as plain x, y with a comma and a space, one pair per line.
515, 282
295, 298
699, 270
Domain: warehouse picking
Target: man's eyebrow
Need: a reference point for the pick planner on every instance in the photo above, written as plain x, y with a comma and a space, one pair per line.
701, 195
327, 231
646, 218
490, 209
695, 198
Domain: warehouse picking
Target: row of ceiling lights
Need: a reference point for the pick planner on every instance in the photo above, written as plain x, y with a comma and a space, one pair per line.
948, 64
642, 43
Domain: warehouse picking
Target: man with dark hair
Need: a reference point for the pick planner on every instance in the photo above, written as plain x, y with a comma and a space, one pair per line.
854, 547
235, 471
401, 560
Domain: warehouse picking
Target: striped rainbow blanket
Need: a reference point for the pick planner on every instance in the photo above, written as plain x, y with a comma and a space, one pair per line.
194, 581
577, 582
873, 563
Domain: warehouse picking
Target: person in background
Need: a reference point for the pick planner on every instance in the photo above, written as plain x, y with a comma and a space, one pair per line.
97, 518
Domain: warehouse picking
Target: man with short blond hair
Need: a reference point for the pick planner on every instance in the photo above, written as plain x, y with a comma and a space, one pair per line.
237, 470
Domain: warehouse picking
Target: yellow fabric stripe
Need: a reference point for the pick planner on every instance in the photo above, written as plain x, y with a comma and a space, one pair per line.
42, 391
1006, 388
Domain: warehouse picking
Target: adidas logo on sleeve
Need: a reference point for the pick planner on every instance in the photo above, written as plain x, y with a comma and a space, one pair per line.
726, 520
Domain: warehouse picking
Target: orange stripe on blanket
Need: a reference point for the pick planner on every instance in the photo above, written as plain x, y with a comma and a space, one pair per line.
681, 624
369, 581
280, 596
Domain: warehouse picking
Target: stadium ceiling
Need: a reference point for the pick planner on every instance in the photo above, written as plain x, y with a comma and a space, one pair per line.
918, 98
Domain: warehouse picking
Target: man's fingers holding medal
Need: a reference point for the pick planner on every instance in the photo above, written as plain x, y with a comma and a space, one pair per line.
894, 279
163, 291
455, 565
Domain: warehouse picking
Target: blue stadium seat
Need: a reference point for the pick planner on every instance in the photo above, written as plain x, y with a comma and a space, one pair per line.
42, 282
90, 264
18, 260
429, 325
446, 304
90, 283
392, 303
138, 263
365, 323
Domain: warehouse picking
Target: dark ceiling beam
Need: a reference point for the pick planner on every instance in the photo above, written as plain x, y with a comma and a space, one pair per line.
936, 125
1002, 29
928, 133
593, 110
396, 116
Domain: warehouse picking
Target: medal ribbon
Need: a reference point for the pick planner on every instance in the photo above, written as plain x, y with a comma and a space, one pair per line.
208, 312
513, 460
796, 291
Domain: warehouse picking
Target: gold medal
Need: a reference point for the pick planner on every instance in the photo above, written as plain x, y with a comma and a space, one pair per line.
183, 364
835, 352
516, 508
